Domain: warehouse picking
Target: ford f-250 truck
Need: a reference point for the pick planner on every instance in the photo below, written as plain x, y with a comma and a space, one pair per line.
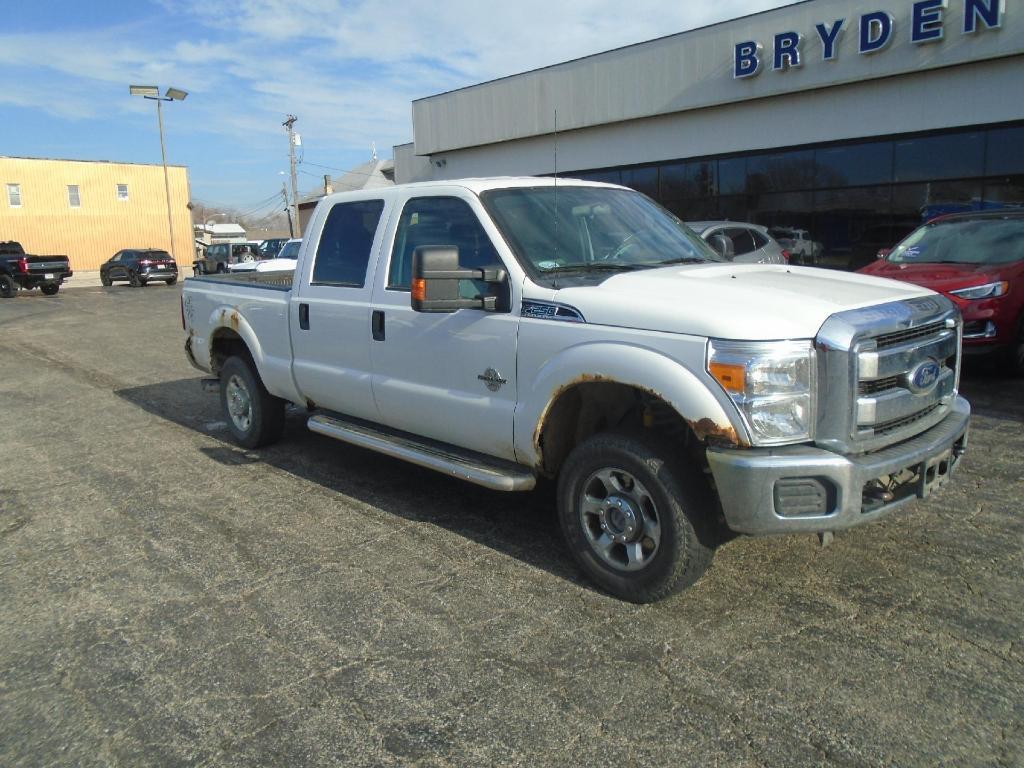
506, 330
20, 270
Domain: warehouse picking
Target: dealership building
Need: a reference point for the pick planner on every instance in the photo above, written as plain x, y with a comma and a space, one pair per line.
853, 121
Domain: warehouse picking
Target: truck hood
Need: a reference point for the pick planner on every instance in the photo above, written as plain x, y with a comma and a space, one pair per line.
731, 301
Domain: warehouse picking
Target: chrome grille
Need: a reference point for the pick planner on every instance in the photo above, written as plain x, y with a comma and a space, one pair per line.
873, 359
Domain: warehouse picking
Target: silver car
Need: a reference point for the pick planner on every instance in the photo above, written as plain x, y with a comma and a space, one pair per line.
741, 242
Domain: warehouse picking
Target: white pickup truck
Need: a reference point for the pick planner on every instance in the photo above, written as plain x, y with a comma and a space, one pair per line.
506, 330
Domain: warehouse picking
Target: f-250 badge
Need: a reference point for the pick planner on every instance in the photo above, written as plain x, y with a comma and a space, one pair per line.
492, 379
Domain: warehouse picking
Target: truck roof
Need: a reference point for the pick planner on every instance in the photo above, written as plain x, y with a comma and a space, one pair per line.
476, 185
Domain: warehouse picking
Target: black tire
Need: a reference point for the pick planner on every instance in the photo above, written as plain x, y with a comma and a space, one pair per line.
172, 281
50, 289
8, 288
106, 281
221, 268
133, 280
257, 421
1014, 355
676, 498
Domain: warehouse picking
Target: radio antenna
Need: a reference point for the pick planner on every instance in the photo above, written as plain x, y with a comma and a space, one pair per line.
555, 254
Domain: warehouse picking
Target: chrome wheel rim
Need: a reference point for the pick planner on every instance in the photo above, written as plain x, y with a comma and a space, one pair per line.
619, 519
239, 403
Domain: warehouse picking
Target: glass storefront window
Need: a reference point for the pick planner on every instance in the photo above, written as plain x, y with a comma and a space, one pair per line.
688, 180
852, 224
1005, 192
642, 180
949, 156
854, 165
922, 202
1004, 153
732, 176
781, 171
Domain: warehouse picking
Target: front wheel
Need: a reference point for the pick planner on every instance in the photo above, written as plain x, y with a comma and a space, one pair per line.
1015, 352
254, 416
50, 289
637, 523
106, 281
7, 287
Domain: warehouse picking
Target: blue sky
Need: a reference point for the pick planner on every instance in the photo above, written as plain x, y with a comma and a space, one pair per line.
349, 69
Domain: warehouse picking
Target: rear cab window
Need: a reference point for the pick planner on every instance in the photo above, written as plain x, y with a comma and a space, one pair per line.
343, 253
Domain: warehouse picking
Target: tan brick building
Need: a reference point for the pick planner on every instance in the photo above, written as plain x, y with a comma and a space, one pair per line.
88, 210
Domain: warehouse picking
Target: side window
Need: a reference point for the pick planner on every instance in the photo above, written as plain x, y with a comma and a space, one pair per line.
440, 221
742, 241
116, 256
344, 249
216, 252
760, 241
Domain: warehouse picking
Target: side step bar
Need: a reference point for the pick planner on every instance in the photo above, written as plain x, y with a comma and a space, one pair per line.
490, 473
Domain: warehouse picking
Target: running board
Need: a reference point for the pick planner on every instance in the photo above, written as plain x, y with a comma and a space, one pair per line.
476, 468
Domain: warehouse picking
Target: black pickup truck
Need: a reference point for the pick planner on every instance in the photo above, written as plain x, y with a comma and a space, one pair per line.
20, 270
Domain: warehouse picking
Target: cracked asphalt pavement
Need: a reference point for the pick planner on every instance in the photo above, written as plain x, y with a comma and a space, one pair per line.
168, 599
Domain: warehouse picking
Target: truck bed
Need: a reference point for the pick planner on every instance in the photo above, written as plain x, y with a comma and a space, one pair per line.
277, 281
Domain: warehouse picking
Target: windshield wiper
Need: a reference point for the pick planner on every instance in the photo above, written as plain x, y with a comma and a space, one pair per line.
683, 260
597, 266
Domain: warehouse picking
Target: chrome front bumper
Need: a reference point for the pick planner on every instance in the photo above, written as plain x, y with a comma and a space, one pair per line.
746, 479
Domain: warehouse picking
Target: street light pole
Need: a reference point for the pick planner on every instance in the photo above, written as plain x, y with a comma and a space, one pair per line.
167, 183
152, 93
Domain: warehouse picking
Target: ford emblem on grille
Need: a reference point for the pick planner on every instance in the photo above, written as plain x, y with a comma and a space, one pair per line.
923, 377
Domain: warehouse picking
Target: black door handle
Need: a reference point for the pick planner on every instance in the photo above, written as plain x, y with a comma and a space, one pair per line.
304, 317
377, 325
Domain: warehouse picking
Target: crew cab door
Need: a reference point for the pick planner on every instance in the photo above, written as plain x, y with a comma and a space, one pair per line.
450, 377
329, 315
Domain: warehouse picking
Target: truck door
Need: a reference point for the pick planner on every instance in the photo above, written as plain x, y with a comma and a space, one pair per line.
450, 377
329, 315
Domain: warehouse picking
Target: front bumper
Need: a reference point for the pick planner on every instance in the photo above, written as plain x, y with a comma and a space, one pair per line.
747, 479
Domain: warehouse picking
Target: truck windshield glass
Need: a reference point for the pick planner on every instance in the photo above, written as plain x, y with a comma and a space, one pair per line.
978, 241
288, 251
591, 229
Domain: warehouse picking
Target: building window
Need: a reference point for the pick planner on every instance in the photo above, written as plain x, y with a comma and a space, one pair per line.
14, 195
122, 191
74, 196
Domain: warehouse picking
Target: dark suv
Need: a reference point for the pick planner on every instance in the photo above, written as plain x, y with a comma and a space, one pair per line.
139, 267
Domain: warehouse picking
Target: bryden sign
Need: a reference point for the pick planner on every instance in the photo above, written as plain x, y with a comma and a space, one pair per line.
876, 28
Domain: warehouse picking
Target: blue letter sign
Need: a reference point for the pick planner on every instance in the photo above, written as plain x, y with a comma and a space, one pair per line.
748, 59
990, 12
926, 21
787, 50
829, 38
875, 31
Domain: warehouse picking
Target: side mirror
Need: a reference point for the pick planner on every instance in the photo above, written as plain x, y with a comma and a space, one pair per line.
722, 244
883, 252
436, 273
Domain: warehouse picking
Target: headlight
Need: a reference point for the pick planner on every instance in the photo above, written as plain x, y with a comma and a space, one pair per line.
772, 385
987, 291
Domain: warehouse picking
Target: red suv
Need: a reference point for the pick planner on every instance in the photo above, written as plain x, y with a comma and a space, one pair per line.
977, 260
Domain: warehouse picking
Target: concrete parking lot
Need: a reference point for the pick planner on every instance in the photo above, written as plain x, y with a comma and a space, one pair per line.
167, 598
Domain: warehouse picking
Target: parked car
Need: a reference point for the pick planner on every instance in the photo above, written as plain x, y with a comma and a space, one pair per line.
282, 261
139, 266
802, 249
220, 256
21, 270
269, 248
507, 330
741, 242
977, 260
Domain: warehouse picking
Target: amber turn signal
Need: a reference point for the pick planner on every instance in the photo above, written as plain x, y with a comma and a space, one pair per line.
731, 376
419, 289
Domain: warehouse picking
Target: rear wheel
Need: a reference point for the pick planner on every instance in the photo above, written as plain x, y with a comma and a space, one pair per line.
636, 522
50, 289
7, 287
254, 416
133, 279
1015, 352
172, 281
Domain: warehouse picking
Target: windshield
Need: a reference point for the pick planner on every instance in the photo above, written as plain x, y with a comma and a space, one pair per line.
156, 255
289, 251
591, 229
977, 241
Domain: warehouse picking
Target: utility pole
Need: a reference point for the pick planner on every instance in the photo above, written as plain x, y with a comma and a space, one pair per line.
287, 209
289, 123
